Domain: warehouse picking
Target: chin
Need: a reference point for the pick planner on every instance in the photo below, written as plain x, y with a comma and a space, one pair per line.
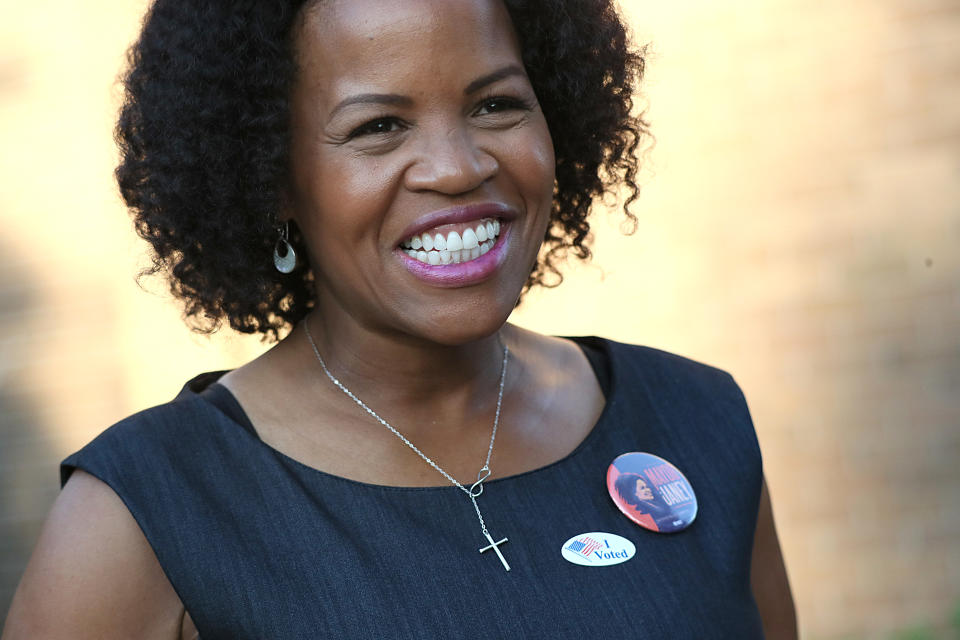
463, 323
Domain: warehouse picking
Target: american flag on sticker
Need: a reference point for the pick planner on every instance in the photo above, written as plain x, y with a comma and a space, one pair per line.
584, 546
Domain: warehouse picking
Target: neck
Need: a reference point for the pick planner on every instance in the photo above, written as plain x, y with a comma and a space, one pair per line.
402, 375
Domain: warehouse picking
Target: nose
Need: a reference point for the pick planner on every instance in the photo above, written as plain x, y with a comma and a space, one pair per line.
450, 162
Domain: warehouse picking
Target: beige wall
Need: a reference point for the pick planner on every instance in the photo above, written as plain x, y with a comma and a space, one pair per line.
799, 228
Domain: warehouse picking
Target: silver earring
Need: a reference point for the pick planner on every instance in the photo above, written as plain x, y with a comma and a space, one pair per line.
284, 257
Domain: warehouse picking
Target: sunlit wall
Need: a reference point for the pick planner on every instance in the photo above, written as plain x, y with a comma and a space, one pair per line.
799, 227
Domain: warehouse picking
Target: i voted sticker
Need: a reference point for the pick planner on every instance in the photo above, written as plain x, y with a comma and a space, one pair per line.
597, 549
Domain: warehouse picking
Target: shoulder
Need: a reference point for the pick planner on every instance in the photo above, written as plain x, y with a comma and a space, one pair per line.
691, 399
656, 361
159, 430
662, 370
186, 407
93, 574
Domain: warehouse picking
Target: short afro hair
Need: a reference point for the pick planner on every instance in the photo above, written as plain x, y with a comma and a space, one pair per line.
204, 139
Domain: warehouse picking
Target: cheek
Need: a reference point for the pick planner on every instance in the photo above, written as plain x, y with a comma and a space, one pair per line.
539, 164
342, 200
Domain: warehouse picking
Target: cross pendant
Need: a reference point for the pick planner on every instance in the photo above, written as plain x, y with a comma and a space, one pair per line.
496, 549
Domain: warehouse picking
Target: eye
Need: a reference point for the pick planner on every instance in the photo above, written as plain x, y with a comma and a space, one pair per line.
379, 126
499, 104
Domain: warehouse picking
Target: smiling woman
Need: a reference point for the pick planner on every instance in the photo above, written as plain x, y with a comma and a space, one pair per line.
377, 182
210, 120
395, 145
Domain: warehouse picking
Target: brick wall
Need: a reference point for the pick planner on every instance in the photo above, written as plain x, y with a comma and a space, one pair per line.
799, 228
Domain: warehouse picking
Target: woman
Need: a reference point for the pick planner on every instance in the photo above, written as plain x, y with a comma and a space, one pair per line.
402, 463
635, 491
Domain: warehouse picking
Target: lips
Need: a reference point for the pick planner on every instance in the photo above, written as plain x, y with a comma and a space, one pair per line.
457, 234
458, 246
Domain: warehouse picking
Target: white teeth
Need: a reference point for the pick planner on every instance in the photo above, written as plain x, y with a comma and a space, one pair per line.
446, 256
453, 248
486, 230
470, 239
454, 243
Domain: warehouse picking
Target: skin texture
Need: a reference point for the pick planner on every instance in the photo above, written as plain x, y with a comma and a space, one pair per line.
768, 577
429, 356
93, 575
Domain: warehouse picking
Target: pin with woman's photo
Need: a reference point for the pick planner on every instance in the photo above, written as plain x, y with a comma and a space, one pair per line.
651, 492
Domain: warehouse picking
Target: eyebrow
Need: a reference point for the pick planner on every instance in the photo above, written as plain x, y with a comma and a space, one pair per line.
373, 98
404, 101
490, 78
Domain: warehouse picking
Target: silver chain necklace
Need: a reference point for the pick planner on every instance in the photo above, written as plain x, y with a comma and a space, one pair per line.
476, 489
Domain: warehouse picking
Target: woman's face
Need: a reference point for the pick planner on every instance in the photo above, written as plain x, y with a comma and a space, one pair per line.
643, 491
413, 120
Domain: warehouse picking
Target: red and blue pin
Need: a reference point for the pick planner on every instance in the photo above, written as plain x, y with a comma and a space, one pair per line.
651, 492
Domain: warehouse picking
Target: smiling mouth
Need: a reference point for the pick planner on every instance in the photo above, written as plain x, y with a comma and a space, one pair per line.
453, 244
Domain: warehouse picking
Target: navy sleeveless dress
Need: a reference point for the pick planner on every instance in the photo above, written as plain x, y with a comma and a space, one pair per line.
260, 546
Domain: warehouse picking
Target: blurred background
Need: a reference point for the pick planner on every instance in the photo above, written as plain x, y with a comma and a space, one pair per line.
799, 227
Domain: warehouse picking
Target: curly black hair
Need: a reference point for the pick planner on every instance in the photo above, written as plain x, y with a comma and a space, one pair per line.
204, 138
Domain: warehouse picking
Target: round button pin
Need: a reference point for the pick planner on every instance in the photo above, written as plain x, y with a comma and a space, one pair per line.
651, 492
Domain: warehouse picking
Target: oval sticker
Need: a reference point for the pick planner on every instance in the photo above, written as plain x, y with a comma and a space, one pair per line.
597, 549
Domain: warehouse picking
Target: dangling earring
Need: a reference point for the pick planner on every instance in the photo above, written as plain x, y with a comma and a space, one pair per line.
286, 261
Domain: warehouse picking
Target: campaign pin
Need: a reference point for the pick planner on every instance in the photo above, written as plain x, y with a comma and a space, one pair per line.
651, 492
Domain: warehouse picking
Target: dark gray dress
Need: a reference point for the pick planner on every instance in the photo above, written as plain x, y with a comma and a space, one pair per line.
260, 546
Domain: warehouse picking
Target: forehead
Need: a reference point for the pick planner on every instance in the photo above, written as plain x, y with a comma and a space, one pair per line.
348, 41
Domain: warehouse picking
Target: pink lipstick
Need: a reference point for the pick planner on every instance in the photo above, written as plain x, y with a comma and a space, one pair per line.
459, 246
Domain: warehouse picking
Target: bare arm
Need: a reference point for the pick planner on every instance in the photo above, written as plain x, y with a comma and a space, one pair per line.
93, 574
768, 577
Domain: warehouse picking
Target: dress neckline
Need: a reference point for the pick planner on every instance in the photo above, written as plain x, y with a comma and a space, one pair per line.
597, 351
